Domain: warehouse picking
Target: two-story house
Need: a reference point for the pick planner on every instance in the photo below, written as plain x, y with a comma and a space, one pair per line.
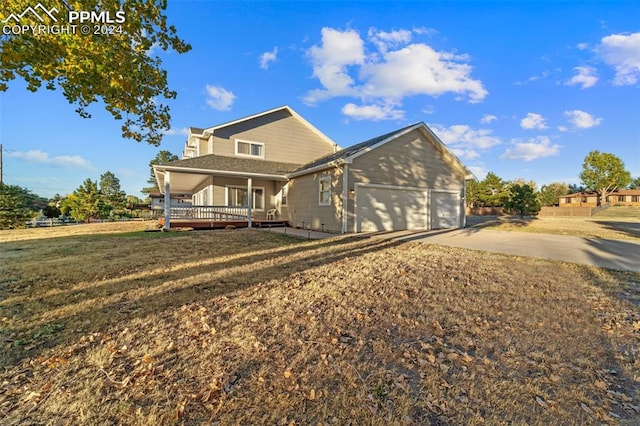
275, 166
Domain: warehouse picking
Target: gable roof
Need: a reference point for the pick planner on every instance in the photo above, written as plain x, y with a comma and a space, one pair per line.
211, 130
348, 154
213, 162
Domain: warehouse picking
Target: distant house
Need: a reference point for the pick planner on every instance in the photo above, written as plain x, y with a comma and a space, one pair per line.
620, 197
276, 167
177, 200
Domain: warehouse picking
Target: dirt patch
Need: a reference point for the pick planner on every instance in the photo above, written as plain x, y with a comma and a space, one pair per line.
245, 327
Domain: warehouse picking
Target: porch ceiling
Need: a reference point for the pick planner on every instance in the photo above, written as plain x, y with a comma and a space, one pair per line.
183, 183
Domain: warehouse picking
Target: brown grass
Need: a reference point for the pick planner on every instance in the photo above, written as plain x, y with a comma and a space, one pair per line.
246, 327
617, 228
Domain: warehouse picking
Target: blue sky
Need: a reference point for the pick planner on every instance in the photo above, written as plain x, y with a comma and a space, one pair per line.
522, 89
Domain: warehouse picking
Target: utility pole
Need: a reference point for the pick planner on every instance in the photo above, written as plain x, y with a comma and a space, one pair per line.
1, 181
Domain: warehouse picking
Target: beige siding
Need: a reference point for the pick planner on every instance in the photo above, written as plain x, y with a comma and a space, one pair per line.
286, 139
270, 190
410, 160
304, 203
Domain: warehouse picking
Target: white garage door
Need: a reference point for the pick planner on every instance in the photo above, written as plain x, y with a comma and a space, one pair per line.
390, 209
445, 210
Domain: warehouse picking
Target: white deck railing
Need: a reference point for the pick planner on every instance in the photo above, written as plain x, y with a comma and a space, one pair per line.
215, 213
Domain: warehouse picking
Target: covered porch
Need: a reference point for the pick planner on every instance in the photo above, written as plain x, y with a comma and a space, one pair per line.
243, 194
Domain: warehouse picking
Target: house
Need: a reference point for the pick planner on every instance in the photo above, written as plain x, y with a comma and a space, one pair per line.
620, 197
276, 167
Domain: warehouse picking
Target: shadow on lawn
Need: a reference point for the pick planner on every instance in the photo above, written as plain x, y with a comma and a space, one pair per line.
623, 287
631, 229
79, 309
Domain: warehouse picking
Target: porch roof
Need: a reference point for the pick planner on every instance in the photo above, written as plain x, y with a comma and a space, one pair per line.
189, 174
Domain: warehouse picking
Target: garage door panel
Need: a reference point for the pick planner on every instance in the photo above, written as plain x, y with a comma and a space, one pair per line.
386, 209
445, 210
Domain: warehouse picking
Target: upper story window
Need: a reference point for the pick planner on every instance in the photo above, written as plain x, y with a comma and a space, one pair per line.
250, 149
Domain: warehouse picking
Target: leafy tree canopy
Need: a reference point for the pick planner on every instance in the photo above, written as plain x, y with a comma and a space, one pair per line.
549, 194
492, 191
163, 157
604, 173
118, 68
635, 183
85, 203
110, 190
522, 200
17, 205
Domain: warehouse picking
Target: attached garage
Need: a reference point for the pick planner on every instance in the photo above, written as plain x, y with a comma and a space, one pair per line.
445, 209
390, 208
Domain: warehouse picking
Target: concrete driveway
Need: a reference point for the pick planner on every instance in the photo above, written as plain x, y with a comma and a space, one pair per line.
621, 255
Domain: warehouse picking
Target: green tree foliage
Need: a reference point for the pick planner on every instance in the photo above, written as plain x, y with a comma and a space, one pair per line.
604, 173
522, 200
635, 183
17, 205
163, 157
574, 188
119, 69
51, 212
492, 191
85, 203
549, 194
113, 196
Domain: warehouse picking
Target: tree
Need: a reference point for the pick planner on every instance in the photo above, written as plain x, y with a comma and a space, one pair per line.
604, 173
522, 200
549, 194
492, 191
17, 205
119, 68
114, 197
51, 211
471, 193
85, 203
575, 188
163, 157
635, 183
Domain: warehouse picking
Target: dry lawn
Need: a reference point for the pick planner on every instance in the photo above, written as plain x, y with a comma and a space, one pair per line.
617, 228
248, 327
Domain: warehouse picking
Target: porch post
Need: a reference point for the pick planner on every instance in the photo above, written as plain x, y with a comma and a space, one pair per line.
167, 201
249, 202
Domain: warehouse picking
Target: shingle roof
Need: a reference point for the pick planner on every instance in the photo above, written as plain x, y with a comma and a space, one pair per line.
352, 150
234, 164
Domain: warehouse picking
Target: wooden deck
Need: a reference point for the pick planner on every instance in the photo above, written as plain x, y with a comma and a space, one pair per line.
221, 224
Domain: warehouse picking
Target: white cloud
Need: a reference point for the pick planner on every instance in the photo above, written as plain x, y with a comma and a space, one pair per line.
219, 98
488, 118
41, 157
585, 77
479, 171
533, 121
464, 141
386, 40
622, 51
339, 50
372, 112
531, 149
389, 71
581, 119
267, 57
582, 46
183, 131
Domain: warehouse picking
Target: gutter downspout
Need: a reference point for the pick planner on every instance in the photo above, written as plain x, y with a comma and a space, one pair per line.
167, 201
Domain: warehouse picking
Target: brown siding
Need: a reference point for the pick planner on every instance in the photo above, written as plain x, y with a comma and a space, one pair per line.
410, 160
304, 202
286, 139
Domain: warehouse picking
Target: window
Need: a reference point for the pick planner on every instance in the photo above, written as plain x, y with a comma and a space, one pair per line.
324, 191
621, 198
284, 195
635, 198
237, 197
249, 149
